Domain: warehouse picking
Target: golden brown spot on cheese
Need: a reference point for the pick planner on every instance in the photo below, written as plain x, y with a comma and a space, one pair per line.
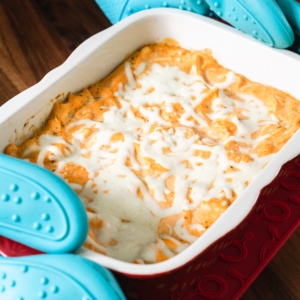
160, 256
207, 212
202, 153
188, 196
140, 194
169, 243
117, 137
75, 174
95, 223
168, 223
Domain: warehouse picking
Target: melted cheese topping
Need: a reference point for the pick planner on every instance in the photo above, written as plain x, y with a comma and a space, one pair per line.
160, 148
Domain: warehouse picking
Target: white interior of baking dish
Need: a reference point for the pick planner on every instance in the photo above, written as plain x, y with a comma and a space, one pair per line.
100, 54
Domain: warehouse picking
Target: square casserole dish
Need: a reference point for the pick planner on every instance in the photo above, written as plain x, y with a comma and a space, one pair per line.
103, 52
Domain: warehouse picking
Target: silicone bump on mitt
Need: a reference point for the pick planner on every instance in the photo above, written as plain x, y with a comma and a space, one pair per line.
38, 209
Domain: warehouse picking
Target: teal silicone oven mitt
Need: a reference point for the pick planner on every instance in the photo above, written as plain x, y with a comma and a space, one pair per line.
38, 209
56, 277
263, 20
291, 9
116, 10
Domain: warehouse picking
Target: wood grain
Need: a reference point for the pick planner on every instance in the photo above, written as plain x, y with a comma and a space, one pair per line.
38, 35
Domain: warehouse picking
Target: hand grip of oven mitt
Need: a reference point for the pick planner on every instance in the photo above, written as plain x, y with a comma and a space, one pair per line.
117, 10
263, 20
291, 10
38, 209
56, 277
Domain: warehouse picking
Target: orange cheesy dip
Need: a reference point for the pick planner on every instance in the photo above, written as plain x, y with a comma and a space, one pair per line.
160, 148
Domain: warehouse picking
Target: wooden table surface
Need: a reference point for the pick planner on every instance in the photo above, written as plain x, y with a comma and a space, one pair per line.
38, 35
